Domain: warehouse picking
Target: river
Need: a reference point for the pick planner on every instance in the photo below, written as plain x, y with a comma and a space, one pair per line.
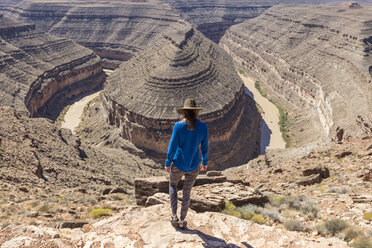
73, 115
271, 137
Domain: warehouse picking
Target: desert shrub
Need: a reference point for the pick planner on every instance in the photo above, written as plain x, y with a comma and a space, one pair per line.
116, 198
362, 242
259, 219
5, 225
367, 216
230, 209
337, 190
351, 233
322, 230
45, 208
271, 214
99, 212
335, 226
294, 225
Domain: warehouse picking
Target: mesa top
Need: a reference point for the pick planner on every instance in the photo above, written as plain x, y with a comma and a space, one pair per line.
183, 149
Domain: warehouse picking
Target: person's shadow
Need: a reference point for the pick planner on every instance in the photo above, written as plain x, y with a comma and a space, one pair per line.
213, 242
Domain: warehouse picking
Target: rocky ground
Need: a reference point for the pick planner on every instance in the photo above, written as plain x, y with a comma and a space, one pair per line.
149, 227
331, 182
49, 177
299, 192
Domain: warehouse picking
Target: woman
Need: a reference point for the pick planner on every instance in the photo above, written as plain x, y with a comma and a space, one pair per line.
183, 157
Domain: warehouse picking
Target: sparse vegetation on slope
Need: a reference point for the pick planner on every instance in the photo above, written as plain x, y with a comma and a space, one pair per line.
284, 122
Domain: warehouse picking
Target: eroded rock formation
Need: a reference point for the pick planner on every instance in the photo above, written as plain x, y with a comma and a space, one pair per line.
213, 18
142, 97
115, 30
38, 72
314, 60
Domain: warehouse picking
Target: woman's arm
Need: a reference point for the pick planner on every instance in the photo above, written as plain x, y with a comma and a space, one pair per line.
173, 144
204, 146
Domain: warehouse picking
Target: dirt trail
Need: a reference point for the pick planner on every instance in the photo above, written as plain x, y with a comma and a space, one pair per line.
270, 115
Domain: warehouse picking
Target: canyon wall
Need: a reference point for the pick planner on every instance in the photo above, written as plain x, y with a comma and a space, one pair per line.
314, 60
213, 18
114, 30
142, 96
39, 72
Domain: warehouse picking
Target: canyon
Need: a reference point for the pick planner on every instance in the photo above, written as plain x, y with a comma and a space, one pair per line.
142, 96
319, 72
40, 72
313, 62
114, 30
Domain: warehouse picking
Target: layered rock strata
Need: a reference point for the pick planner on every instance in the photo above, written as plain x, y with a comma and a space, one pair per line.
213, 18
316, 61
115, 30
38, 72
142, 96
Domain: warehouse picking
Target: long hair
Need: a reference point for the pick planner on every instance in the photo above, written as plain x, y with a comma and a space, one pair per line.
190, 116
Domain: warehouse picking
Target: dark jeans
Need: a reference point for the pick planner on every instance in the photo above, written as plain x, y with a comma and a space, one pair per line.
175, 176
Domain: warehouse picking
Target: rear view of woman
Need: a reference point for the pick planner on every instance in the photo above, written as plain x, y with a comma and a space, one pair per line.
183, 157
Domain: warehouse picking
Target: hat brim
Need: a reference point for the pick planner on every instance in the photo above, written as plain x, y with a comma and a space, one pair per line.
186, 108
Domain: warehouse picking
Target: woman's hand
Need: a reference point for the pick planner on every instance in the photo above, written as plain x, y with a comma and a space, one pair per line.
167, 169
203, 167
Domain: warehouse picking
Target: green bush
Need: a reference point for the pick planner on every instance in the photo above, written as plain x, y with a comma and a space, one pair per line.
99, 212
294, 225
367, 216
259, 219
335, 226
230, 209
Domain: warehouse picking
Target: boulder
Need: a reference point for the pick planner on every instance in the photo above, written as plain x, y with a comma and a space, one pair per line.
310, 180
320, 169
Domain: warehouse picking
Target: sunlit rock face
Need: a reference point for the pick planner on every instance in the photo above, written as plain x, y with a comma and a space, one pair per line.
38, 72
142, 96
115, 30
316, 60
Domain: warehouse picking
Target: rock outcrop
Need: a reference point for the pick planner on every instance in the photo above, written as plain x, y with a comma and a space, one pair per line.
150, 227
314, 60
38, 72
210, 193
114, 30
141, 98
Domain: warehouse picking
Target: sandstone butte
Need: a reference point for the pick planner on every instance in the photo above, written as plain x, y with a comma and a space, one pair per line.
316, 62
39, 72
142, 96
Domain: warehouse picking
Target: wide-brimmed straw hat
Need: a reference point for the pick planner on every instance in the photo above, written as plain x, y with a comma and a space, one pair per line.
188, 104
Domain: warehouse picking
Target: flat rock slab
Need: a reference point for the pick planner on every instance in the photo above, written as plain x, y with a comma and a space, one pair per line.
362, 198
218, 193
145, 187
212, 197
310, 180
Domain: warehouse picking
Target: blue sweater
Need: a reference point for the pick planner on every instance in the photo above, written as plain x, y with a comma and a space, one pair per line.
183, 148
